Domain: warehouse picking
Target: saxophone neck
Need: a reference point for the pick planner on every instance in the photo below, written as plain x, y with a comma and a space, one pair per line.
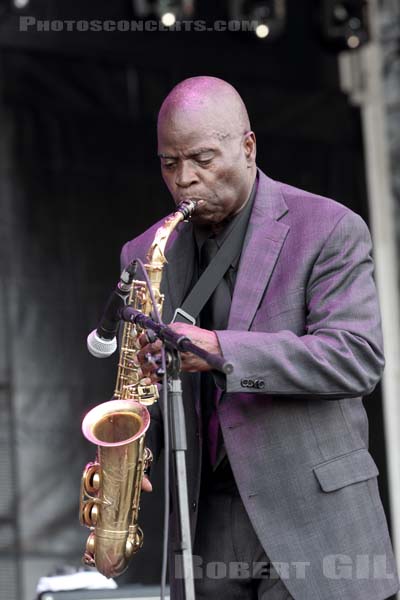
155, 256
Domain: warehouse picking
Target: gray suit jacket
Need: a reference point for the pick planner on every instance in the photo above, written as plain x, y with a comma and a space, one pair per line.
305, 340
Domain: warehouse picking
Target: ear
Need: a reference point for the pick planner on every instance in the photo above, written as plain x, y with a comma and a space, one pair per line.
250, 147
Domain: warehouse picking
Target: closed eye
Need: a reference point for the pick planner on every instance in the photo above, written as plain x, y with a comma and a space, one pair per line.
168, 165
203, 158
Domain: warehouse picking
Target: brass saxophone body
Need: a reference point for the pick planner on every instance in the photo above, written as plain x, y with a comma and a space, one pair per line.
111, 485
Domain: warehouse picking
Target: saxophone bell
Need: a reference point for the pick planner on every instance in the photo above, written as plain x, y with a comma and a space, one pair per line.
111, 486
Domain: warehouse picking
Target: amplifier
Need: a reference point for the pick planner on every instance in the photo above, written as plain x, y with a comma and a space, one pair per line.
129, 592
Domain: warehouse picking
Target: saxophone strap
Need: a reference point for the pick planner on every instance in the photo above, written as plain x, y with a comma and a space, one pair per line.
208, 281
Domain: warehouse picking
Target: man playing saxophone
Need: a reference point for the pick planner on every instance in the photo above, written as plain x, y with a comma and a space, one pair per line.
282, 489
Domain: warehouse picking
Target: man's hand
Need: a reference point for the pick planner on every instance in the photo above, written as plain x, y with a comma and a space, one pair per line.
146, 485
189, 362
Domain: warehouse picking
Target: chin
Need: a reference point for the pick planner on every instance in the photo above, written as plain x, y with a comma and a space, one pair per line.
210, 222
200, 220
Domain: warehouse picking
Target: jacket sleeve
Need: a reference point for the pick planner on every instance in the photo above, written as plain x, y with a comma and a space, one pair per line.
341, 352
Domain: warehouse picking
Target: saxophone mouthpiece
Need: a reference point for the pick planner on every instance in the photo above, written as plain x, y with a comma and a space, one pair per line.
187, 208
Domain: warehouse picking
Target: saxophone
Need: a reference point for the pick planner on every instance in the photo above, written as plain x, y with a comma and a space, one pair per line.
111, 485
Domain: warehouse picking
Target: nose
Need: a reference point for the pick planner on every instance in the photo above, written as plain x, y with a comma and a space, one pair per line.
185, 175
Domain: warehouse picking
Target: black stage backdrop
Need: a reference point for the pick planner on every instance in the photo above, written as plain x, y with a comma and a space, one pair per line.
78, 177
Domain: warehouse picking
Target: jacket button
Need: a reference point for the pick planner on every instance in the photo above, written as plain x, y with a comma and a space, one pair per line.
194, 506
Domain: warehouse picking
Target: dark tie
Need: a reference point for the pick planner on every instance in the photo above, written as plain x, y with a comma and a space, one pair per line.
213, 316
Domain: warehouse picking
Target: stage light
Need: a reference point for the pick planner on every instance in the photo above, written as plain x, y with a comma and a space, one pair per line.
168, 19
262, 30
168, 11
345, 22
20, 3
265, 18
353, 41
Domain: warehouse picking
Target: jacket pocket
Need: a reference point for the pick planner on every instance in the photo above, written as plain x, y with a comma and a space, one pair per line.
292, 300
344, 470
288, 312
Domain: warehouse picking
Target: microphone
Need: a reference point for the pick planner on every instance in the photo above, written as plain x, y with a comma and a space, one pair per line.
102, 342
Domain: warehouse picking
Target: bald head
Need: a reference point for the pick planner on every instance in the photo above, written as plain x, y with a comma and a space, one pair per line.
207, 98
207, 148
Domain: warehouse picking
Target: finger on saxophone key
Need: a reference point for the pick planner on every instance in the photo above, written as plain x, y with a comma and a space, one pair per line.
143, 340
148, 337
145, 353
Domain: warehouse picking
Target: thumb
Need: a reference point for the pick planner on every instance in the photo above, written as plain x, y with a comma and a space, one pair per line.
146, 484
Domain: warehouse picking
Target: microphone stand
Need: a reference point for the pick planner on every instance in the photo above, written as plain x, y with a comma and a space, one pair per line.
176, 343
183, 551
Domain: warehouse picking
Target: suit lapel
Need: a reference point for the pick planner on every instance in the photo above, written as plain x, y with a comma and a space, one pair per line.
264, 239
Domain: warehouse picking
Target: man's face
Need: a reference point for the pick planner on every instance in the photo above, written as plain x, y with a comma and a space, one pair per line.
199, 162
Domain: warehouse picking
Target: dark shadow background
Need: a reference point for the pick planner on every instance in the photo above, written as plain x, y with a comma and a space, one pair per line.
78, 177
